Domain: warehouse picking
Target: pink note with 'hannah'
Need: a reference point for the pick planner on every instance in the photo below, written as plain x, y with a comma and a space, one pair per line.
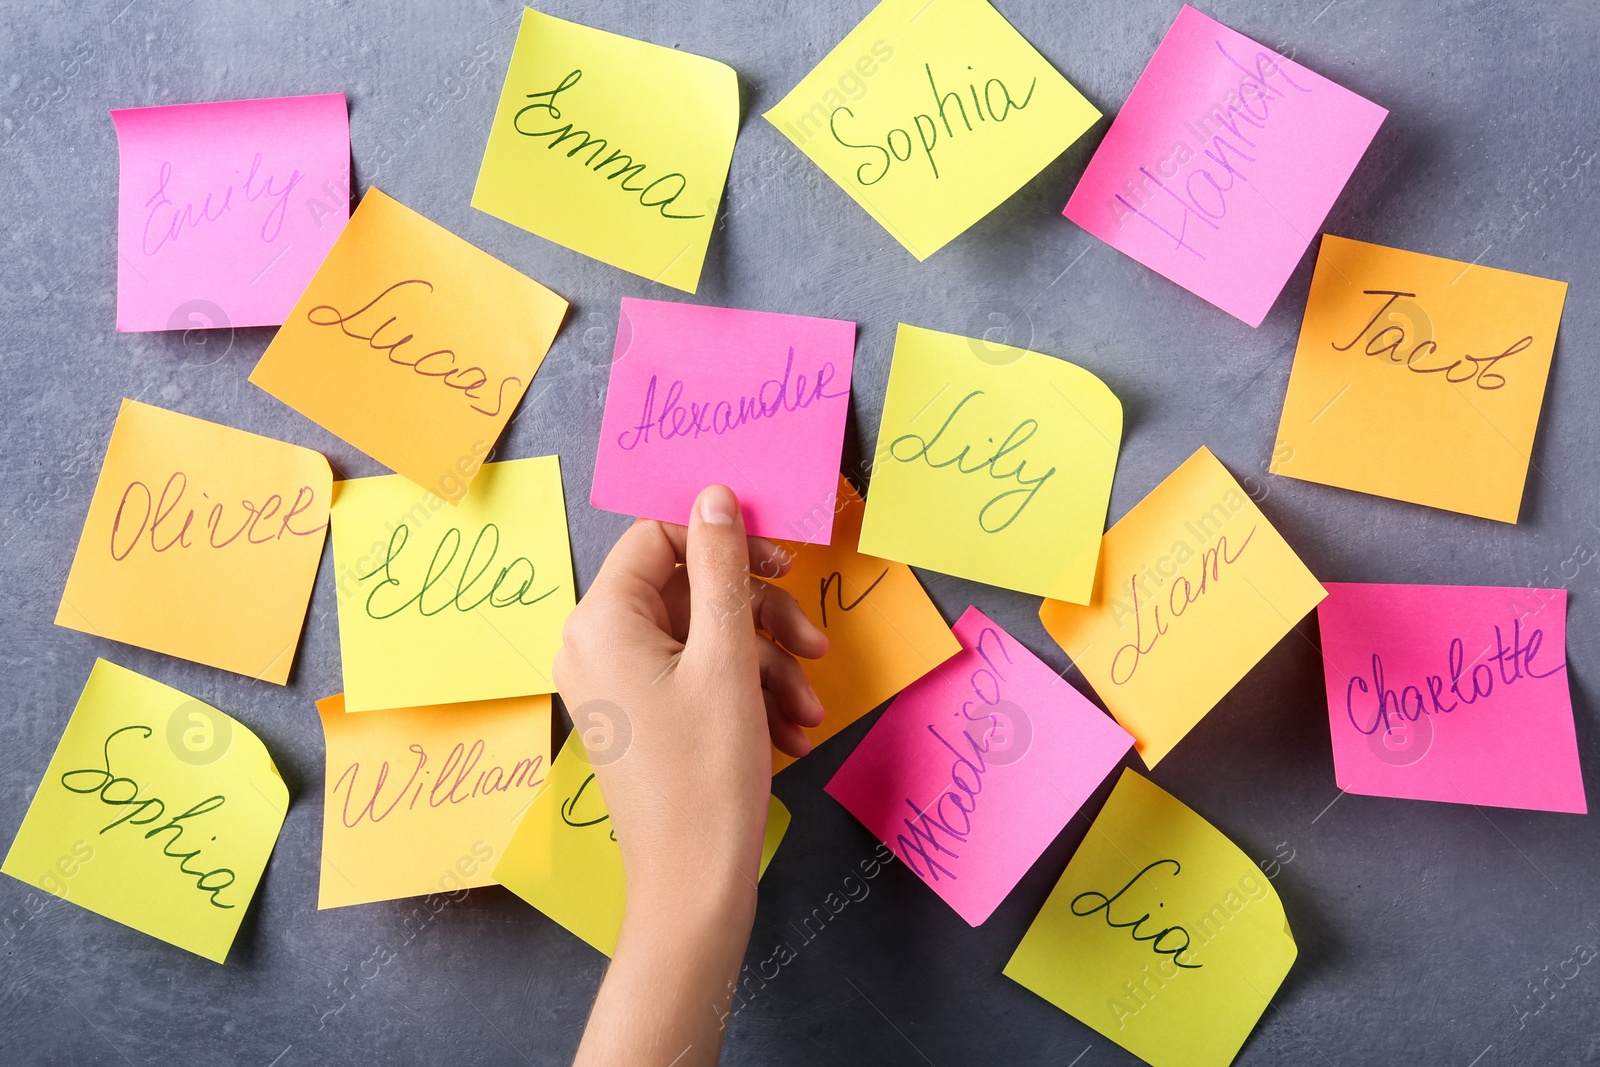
1222, 165
226, 210
748, 399
976, 767
1452, 693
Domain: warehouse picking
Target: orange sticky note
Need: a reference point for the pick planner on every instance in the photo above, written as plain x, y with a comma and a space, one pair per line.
1419, 378
412, 345
424, 800
202, 542
1194, 587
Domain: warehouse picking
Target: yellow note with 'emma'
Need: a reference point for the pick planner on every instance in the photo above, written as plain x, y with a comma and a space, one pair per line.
564, 859
1194, 587
1161, 934
439, 605
613, 147
424, 800
157, 811
993, 463
202, 542
1419, 378
930, 113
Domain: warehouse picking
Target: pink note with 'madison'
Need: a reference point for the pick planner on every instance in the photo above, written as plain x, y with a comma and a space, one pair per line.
975, 768
1451, 693
1222, 165
225, 210
752, 400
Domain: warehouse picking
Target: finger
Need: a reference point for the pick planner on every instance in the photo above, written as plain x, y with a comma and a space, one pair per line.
718, 561
779, 614
787, 736
639, 565
675, 595
782, 676
768, 559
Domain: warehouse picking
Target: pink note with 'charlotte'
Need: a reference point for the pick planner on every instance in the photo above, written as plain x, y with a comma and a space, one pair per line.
1452, 693
748, 399
976, 767
226, 210
1222, 165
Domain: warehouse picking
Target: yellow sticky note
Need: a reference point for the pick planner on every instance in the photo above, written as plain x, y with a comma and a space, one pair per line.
424, 800
930, 113
1161, 934
1195, 586
439, 605
157, 811
994, 463
564, 859
1419, 378
613, 147
412, 345
202, 542
883, 631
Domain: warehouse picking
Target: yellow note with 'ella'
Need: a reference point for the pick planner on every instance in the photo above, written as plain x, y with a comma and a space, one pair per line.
994, 463
883, 631
157, 811
1195, 586
1161, 934
424, 800
564, 858
412, 345
613, 147
1419, 378
202, 542
930, 113
440, 605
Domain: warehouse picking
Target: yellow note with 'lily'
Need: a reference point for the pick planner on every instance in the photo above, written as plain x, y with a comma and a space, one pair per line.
564, 858
930, 113
202, 542
994, 463
1161, 934
424, 800
439, 605
412, 345
157, 811
1419, 378
1194, 587
883, 631
613, 147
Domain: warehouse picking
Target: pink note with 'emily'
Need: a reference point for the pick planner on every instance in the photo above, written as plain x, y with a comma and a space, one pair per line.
1453, 693
977, 766
226, 210
1222, 165
748, 399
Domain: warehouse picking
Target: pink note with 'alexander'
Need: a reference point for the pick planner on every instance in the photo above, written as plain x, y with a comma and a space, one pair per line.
976, 767
226, 210
1222, 165
748, 399
1452, 693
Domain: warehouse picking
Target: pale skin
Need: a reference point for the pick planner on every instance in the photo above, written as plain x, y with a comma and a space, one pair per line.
699, 655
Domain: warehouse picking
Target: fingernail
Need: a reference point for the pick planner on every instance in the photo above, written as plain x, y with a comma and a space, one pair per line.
718, 506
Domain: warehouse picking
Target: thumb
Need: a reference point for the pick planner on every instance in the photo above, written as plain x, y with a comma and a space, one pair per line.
718, 561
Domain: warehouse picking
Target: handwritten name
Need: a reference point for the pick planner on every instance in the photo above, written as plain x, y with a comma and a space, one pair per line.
520, 571
1180, 595
1133, 925
834, 583
456, 781
569, 810
1469, 368
165, 220
146, 518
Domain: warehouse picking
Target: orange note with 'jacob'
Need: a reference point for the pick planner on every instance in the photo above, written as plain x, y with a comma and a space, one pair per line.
202, 542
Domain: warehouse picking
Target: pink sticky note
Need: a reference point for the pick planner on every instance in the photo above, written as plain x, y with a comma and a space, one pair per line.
1222, 165
1453, 693
225, 211
976, 767
748, 399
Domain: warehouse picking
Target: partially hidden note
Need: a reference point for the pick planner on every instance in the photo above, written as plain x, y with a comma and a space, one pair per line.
993, 463
157, 811
977, 766
412, 345
752, 400
1161, 935
439, 604
224, 210
424, 800
1194, 587
201, 542
1222, 165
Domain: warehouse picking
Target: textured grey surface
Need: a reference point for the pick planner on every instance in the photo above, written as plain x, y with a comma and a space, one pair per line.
1421, 926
